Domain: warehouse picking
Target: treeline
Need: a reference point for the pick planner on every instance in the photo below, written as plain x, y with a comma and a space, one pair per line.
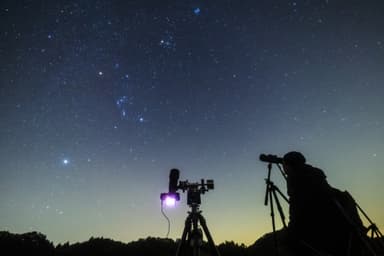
34, 243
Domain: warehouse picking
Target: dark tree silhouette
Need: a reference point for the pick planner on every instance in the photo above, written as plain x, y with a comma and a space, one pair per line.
230, 249
32, 243
35, 243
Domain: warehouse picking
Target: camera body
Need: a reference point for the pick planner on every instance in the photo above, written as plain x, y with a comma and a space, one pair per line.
194, 190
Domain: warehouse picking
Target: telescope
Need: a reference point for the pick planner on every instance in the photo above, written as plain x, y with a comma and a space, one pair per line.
273, 159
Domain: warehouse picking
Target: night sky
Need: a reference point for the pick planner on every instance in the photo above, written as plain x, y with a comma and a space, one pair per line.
100, 99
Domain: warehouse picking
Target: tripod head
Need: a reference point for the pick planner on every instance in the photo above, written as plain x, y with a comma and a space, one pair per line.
273, 159
194, 190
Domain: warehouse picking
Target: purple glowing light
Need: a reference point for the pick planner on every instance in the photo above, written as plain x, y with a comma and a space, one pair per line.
170, 201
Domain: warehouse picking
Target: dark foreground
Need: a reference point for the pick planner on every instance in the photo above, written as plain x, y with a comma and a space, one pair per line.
35, 243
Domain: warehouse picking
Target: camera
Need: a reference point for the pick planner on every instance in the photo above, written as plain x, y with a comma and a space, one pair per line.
194, 189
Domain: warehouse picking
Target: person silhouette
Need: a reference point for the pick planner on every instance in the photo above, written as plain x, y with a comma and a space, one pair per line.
315, 220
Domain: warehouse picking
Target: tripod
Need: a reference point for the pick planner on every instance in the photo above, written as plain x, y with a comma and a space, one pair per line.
374, 230
193, 236
364, 238
271, 195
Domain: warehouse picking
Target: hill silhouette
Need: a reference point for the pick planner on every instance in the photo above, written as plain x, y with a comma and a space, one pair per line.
265, 246
34, 243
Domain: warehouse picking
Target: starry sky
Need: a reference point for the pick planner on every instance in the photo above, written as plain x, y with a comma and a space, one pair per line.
100, 99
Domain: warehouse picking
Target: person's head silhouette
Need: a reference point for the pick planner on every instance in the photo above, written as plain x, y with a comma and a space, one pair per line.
293, 160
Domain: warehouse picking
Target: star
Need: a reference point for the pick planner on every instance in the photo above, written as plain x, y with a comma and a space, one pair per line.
65, 161
168, 41
122, 104
197, 11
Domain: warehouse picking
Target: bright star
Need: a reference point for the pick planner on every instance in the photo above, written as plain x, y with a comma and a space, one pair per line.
65, 161
100, 73
197, 11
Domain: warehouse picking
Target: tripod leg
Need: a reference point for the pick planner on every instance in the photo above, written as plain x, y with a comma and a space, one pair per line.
379, 237
279, 208
212, 245
373, 227
196, 241
355, 228
183, 242
273, 222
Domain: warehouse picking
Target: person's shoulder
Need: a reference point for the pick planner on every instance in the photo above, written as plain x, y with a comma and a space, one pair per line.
314, 171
